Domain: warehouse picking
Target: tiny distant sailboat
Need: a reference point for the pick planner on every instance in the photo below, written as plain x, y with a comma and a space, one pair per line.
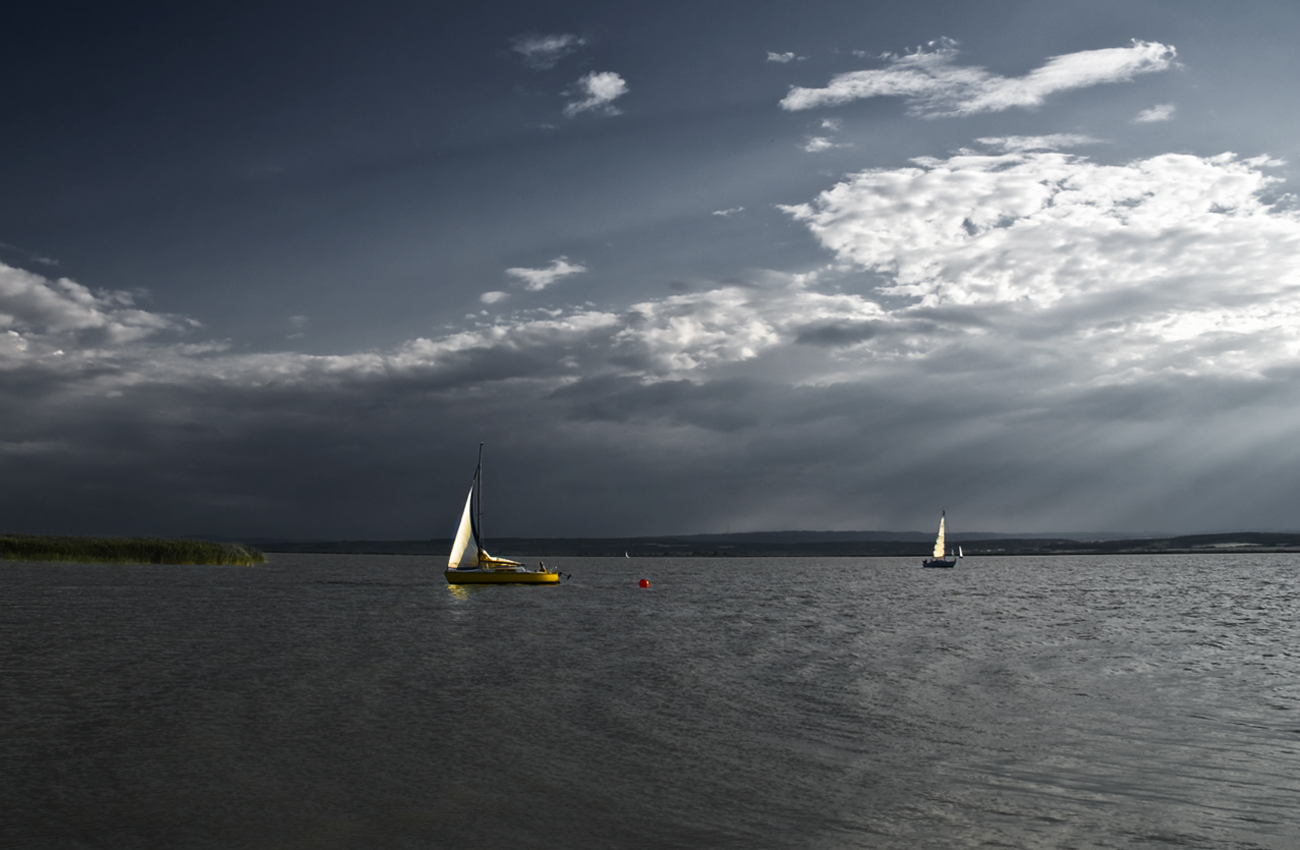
939, 558
470, 563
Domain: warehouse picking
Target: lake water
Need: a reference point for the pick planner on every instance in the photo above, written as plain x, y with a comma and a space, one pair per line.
360, 702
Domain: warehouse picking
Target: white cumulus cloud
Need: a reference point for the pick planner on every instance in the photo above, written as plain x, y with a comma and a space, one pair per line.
39, 314
1160, 112
933, 85
1054, 141
597, 92
545, 51
1175, 262
817, 144
1042, 266
537, 279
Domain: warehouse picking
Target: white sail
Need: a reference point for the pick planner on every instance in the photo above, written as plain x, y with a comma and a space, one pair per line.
938, 541
468, 545
463, 547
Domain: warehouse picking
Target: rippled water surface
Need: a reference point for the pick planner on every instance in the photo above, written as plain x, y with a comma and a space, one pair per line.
360, 702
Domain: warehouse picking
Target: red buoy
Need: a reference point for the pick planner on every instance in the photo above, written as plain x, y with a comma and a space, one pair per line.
645, 582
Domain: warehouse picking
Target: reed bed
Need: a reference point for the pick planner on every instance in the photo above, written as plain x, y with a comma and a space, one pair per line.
126, 550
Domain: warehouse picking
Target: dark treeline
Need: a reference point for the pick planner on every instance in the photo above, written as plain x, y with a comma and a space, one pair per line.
126, 550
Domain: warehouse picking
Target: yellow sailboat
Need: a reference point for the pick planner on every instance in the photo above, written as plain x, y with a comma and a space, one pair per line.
470, 563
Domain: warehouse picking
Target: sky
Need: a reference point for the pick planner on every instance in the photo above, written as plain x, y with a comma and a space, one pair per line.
275, 270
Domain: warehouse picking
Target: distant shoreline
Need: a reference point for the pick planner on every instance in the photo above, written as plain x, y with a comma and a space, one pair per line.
809, 544
800, 544
126, 550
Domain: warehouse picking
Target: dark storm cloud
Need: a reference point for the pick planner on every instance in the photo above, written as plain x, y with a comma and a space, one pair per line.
361, 459
838, 333
772, 402
721, 406
915, 322
939, 313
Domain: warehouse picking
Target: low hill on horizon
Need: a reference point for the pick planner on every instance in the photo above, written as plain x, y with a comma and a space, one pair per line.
813, 544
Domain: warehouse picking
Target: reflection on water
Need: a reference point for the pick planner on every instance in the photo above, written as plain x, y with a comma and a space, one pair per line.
462, 592
361, 701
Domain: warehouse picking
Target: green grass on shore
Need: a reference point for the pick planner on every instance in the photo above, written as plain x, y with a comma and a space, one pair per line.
125, 550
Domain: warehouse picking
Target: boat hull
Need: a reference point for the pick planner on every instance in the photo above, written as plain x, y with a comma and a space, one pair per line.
499, 577
939, 563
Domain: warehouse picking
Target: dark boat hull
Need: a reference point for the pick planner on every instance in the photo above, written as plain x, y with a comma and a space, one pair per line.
939, 563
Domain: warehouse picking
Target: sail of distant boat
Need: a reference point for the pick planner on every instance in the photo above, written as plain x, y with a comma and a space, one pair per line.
939, 558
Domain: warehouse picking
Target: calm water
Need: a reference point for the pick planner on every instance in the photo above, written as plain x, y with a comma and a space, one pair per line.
360, 702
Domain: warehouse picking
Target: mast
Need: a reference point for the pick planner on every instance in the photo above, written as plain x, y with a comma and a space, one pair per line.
478, 479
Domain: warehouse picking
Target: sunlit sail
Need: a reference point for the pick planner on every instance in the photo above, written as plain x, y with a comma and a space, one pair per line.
465, 546
470, 563
939, 557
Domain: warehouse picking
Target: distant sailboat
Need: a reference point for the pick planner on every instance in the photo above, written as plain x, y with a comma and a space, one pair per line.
470, 563
939, 558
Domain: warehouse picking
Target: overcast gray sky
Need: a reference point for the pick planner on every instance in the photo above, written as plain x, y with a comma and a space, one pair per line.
276, 269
